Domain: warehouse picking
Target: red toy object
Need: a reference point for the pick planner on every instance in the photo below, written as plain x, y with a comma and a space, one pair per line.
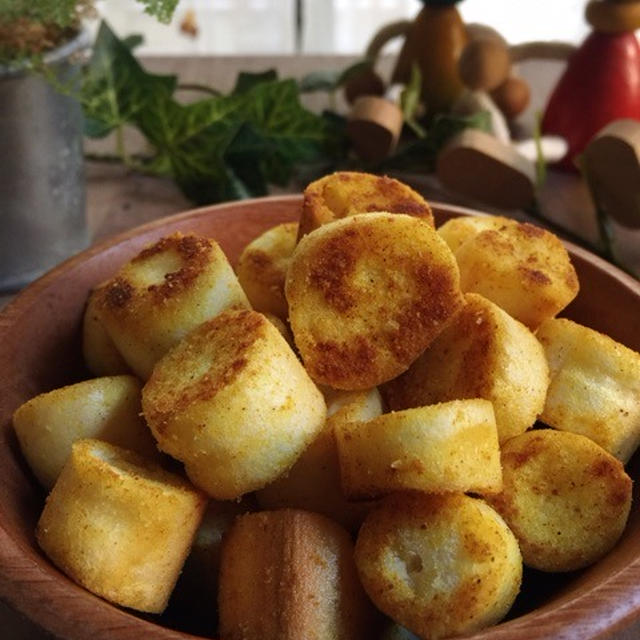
600, 84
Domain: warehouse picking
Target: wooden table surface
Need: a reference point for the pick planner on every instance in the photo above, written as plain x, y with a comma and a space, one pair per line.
118, 199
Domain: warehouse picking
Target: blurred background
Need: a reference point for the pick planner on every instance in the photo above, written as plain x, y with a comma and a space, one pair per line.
233, 27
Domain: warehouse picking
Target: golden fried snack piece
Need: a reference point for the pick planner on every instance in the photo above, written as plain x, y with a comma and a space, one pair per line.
483, 353
287, 575
439, 565
118, 526
313, 483
346, 193
233, 403
565, 498
457, 231
451, 446
156, 298
262, 267
106, 408
100, 353
367, 294
523, 268
595, 386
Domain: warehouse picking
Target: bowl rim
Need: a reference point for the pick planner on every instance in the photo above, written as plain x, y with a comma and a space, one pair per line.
112, 241
608, 606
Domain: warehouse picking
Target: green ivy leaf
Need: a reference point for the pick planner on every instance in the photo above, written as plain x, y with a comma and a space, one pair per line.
116, 88
246, 81
191, 142
331, 80
284, 133
319, 81
247, 146
219, 148
133, 41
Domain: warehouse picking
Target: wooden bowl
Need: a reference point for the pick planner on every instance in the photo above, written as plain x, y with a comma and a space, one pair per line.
40, 350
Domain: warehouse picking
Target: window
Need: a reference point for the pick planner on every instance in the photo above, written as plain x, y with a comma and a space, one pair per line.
326, 26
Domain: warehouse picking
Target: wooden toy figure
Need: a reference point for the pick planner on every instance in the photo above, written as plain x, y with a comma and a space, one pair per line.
601, 82
435, 41
490, 83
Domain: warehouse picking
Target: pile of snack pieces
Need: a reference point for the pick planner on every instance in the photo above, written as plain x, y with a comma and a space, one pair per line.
361, 376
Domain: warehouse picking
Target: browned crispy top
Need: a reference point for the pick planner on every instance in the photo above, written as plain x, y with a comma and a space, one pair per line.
194, 253
217, 350
347, 193
367, 296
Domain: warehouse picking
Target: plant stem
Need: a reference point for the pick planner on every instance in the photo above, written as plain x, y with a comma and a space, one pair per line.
418, 129
136, 162
601, 217
541, 165
121, 149
199, 87
109, 158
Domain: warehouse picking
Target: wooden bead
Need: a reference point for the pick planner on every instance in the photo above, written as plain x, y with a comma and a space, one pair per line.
478, 31
479, 166
374, 127
365, 83
484, 64
512, 96
613, 17
612, 164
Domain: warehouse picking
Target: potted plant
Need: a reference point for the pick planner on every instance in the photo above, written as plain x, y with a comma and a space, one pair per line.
42, 197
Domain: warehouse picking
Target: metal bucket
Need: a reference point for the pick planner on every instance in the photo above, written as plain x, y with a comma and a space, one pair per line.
42, 182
